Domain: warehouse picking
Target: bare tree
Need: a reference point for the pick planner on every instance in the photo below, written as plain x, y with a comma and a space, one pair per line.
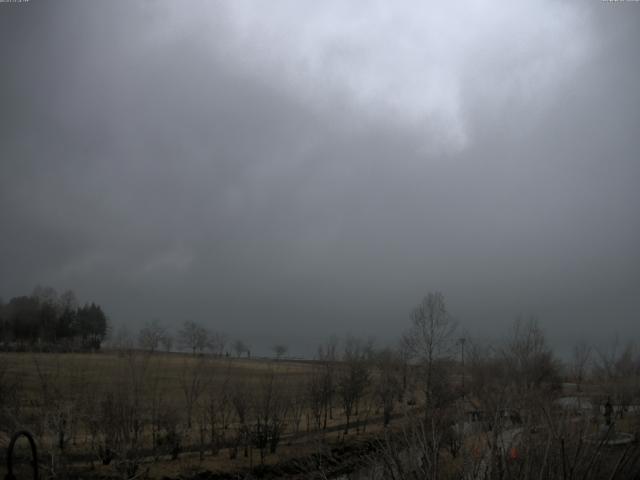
280, 350
151, 336
298, 403
558, 449
316, 395
117, 419
217, 342
163, 417
328, 356
430, 341
579, 361
167, 342
122, 339
218, 410
241, 405
193, 383
529, 358
270, 410
353, 378
155, 406
193, 336
240, 347
388, 385
403, 354
618, 370
56, 412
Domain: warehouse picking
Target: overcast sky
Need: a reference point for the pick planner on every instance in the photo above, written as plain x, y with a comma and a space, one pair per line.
286, 170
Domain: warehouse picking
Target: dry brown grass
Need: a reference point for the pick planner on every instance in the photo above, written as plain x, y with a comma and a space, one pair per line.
76, 377
98, 371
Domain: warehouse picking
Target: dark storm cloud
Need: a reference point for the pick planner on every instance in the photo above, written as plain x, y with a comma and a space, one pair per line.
310, 169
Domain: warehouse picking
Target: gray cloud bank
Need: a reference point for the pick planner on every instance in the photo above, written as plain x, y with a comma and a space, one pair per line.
286, 171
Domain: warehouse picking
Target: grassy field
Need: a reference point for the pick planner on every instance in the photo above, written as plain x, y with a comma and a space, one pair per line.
132, 414
99, 371
67, 393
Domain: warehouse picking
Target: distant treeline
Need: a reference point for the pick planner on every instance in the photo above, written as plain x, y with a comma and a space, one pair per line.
45, 320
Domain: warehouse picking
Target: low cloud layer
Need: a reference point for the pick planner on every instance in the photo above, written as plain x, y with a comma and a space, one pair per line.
284, 172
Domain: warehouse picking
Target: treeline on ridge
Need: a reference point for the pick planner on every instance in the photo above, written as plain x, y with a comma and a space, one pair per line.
46, 321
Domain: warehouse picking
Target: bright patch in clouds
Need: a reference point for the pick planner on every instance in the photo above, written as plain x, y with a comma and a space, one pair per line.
412, 63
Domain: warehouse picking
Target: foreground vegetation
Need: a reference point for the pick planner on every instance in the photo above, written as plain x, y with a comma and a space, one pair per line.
438, 406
